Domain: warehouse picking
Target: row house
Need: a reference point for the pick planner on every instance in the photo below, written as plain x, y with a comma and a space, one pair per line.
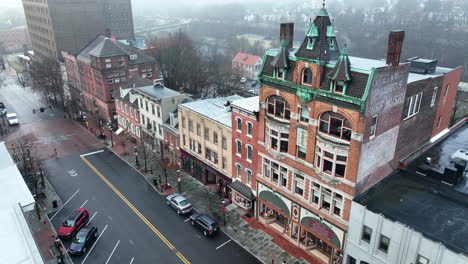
244, 152
332, 125
206, 141
103, 65
157, 104
172, 140
126, 106
247, 65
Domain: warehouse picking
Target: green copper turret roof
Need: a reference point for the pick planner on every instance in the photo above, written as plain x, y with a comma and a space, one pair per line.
281, 60
342, 67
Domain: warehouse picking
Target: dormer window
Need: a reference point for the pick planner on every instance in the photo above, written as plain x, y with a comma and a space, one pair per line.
133, 57
339, 86
307, 76
279, 73
310, 43
331, 43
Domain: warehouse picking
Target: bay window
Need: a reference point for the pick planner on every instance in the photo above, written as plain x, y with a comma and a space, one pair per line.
335, 125
330, 163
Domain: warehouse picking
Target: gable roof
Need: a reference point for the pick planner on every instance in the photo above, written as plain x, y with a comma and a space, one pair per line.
107, 48
245, 58
102, 47
136, 81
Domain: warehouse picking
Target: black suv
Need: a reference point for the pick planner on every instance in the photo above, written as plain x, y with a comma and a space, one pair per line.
204, 222
83, 240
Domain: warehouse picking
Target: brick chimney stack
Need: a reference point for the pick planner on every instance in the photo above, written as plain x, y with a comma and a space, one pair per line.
395, 44
287, 33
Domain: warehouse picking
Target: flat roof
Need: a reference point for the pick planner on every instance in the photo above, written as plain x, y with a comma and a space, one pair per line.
157, 91
414, 77
16, 240
250, 104
437, 210
441, 153
13, 189
213, 108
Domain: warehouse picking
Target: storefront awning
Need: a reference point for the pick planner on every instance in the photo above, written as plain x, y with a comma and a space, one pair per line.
119, 131
242, 189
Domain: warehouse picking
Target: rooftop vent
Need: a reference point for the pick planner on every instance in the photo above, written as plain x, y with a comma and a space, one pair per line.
422, 66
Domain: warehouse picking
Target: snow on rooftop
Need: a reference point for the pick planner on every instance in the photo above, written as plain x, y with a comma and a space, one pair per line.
414, 77
213, 108
16, 240
250, 104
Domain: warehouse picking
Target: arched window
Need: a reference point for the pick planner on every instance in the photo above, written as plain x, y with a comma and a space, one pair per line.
335, 125
307, 76
279, 107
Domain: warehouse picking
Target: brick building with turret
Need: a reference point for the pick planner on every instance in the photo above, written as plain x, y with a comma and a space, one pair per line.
332, 125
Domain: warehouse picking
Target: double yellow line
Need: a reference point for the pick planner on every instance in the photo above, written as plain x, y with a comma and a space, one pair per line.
137, 212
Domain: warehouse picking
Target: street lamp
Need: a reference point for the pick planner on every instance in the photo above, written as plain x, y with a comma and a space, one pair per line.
223, 209
178, 181
136, 157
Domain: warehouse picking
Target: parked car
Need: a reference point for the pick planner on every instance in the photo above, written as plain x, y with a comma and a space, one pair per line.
179, 203
204, 222
243, 80
83, 240
253, 84
3, 110
74, 223
12, 119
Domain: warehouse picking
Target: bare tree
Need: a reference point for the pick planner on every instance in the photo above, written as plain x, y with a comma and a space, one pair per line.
180, 62
47, 78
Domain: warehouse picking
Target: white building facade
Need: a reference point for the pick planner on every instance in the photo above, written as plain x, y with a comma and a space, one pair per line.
375, 239
156, 103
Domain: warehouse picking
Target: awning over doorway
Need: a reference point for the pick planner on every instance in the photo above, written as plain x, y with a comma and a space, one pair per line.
119, 131
242, 189
273, 199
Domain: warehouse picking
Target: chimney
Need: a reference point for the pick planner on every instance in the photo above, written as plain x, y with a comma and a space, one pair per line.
107, 32
395, 43
287, 33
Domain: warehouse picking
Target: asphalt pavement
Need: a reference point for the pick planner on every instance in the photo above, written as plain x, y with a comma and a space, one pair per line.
139, 226
22, 100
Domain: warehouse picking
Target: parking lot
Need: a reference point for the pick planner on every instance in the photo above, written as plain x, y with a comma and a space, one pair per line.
135, 224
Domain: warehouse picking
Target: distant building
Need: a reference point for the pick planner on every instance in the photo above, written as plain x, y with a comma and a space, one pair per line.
206, 141
14, 39
104, 64
253, 40
247, 65
126, 106
244, 151
416, 215
63, 25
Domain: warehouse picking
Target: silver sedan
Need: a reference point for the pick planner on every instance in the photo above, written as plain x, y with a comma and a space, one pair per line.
179, 203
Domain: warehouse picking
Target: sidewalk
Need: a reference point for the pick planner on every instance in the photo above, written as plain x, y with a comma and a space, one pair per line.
43, 232
263, 243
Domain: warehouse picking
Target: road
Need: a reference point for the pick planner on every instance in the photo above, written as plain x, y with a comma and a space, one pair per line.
134, 222
136, 216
